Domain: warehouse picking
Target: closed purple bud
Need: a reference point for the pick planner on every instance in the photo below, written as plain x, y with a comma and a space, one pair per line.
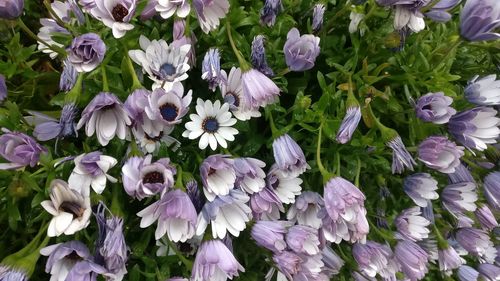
489, 272
484, 91
289, 156
467, 273
411, 225
86, 52
374, 258
210, 69
214, 261
461, 174
349, 124
486, 218
492, 189
475, 128
332, 262
269, 12
421, 187
270, 234
300, 51
441, 154
459, 197
3, 88
435, 108
303, 240
439, 11
195, 195
412, 258
20, 149
479, 19
477, 242
11, 9
317, 22
258, 56
68, 77
401, 158
218, 175
12, 274
258, 89
449, 260
149, 11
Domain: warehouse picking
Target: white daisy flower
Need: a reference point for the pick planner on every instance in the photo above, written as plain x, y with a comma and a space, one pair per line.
164, 64
213, 123
232, 93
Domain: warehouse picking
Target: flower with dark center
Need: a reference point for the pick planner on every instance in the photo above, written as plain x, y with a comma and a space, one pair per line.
62, 257
153, 177
286, 186
232, 92
166, 108
119, 12
118, 18
91, 170
218, 175
19, 149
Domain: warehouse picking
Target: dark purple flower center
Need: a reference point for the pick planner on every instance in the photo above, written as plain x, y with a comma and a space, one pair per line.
119, 12
167, 69
210, 125
427, 107
211, 171
72, 208
169, 111
74, 256
232, 99
157, 138
153, 177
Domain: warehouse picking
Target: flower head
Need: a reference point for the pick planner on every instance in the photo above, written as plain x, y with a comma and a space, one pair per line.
106, 117
349, 124
68, 77
91, 170
11, 9
289, 156
412, 258
167, 108
439, 12
232, 93
483, 91
214, 261
306, 208
47, 128
438, 153
449, 259
489, 272
479, 19
332, 262
486, 218
86, 52
49, 29
269, 12
168, 8
421, 187
303, 240
258, 56
435, 108
249, 174
70, 209
62, 257
317, 22
475, 128
210, 12
492, 189
266, 205
270, 234
115, 15
460, 197
286, 187
477, 242
20, 149
210, 69
213, 123
401, 158
461, 174
467, 273
258, 89
300, 51
374, 258
411, 225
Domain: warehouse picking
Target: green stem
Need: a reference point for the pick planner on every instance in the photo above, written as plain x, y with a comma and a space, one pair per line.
28, 31
274, 131
105, 85
73, 95
384, 236
136, 84
442, 243
283, 72
358, 172
54, 15
244, 65
324, 173
183, 259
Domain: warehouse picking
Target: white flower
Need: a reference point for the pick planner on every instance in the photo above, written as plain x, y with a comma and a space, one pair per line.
167, 8
115, 14
405, 17
48, 29
165, 64
213, 123
91, 170
210, 12
232, 93
411, 225
286, 187
70, 209
356, 19
483, 91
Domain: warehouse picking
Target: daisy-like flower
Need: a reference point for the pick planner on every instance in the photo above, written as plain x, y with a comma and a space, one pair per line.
232, 93
62, 257
50, 28
91, 170
210, 12
266, 205
421, 187
115, 15
249, 174
168, 108
215, 262
210, 69
168, 8
165, 64
411, 225
70, 209
218, 175
213, 123
306, 208
285, 186
460, 197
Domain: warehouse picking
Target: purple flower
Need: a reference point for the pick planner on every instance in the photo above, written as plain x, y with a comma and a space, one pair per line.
300, 51
115, 15
142, 179
289, 156
195, 195
479, 19
258, 56
181, 39
286, 187
3, 88
47, 128
87, 4
270, 234
166, 108
489, 271
374, 258
228, 213
249, 174
349, 124
20, 149
475, 128
269, 12
486, 218
407, 13
412, 258
210, 12
11, 274
332, 262
175, 214
68, 77
306, 208
421, 187
477, 242
86, 270
435, 108
411, 225
258, 89
215, 262
467, 273
459, 197
491, 185
11, 9
210, 69
344, 216
168, 8
401, 158
86, 52
317, 22
439, 153
266, 205
232, 93
303, 240
484, 91
449, 259
439, 12
299, 267
461, 174
287, 263
149, 11
218, 175
105, 116
62, 258
91, 170
135, 104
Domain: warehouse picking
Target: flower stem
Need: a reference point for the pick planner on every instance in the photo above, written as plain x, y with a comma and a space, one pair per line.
28, 31
358, 172
244, 65
274, 131
136, 84
105, 85
184, 260
283, 72
324, 173
73, 95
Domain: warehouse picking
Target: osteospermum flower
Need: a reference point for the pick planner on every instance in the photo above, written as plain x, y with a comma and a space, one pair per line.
258, 56
300, 51
19, 149
48, 30
91, 170
218, 175
486, 218
270, 234
467, 273
435, 108
167, 108
421, 187
449, 259
407, 13
491, 188
115, 15
477, 242
215, 262
401, 158
332, 262
475, 128
70, 209
232, 93
86, 52
289, 156
212, 124
439, 153
286, 187
269, 12
62, 257
47, 128
479, 20
349, 124
411, 225
303, 239
168, 8
210, 12
412, 258
461, 174
165, 64
210, 69
249, 174
484, 91
258, 89
266, 205
460, 197
305, 209
374, 258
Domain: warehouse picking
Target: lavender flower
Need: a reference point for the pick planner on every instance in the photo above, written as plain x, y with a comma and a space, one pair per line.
91, 170
86, 270
49, 29
303, 240
106, 117
435, 108
349, 124
459, 197
11, 9
68, 77
168, 8
461, 174
269, 12
477, 242
344, 216
210, 12
166, 108
475, 128
266, 205
439, 12
286, 187
47, 128
258, 89
317, 22
289, 156
210, 69
19, 149
332, 262
492, 189
270, 234
486, 218
489, 272
62, 257
438, 153
3, 88
421, 187
181, 39
374, 258
305, 209
412, 258
298, 267
288, 263
195, 195
116, 15
218, 175
401, 158
484, 91
467, 273
86, 52
479, 19
449, 260
214, 261
300, 51
142, 179
175, 214
411, 225
258, 56
249, 174
232, 93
